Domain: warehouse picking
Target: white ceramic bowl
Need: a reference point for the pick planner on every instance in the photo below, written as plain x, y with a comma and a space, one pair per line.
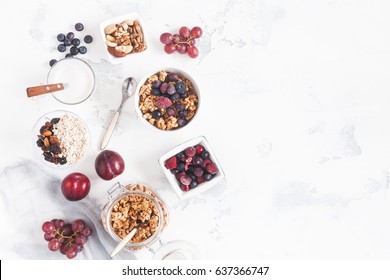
35, 131
180, 73
117, 20
201, 187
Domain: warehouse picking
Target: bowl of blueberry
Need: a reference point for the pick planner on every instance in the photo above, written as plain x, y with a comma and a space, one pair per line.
191, 167
167, 99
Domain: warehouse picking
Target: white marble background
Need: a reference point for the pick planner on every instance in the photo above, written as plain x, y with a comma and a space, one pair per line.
295, 105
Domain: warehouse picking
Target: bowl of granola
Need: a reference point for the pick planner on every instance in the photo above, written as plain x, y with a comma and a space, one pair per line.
60, 139
167, 100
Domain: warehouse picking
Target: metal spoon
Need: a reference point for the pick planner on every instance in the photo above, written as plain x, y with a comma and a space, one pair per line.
128, 89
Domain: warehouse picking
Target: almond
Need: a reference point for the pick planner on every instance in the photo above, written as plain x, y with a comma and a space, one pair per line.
47, 133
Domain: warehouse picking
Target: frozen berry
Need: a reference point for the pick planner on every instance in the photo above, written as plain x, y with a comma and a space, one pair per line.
190, 151
67, 42
156, 84
205, 155
88, 39
70, 35
205, 162
197, 160
51, 62
181, 122
211, 168
198, 171
200, 180
180, 106
170, 112
183, 95
199, 149
60, 37
185, 180
184, 188
79, 26
156, 91
75, 42
164, 87
207, 177
174, 171
193, 184
183, 114
180, 87
171, 163
83, 50
192, 176
171, 90
163, 102
74, 50
156, 114
172, 77
180, 166
61, 48
179, 175
181, 156
175, 96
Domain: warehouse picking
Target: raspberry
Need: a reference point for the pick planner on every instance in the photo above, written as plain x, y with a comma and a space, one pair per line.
211, 168
190, 151
163, 102
184, 188
200, 180
171, 163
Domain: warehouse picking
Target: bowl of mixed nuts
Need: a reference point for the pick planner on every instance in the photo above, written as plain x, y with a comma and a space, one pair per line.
122, 37
60, 139
167, 99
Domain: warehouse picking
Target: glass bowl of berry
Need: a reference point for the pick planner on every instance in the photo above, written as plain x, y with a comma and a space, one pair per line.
60, 139
167, 99
191, 167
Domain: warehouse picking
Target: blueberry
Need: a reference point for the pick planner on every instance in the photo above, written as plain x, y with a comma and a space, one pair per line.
60, 37
207, 176
180, 106
67, 42
156, 84
75, 42
170, 112
183, 114
83, 50
205, 155
51, 62
181, 156
63, 161
88, 39
197, 161
183, 95
180, 166
68, 55
156, 114
174, 171
74, 50
156, 91
61, 48
175, 96
163, 87
192, 176
181, 122
193, 184
171, 90
172, 77
198, 171
180, 87
70, 35
79, 26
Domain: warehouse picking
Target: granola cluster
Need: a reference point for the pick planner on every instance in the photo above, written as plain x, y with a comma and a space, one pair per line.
137, 211
167, 100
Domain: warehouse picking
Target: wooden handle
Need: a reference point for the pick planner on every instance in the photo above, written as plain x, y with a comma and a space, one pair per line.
109, 131
123, 243
38, 90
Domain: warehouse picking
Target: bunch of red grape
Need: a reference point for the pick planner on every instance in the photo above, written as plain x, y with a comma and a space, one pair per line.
184, 42
68, 238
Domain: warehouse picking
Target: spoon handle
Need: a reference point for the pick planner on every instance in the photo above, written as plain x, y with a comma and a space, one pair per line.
109, 131
123, 243
38, 90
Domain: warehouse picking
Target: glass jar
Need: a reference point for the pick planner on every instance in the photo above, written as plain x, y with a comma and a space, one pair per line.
148, 213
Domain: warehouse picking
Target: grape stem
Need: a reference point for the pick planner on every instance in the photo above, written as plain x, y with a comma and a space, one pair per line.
62, 234
186, 42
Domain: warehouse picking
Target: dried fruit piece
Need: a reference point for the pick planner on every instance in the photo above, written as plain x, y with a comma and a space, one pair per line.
163, 102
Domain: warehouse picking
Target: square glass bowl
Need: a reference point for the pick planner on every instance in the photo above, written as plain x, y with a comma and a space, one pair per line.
206, 185
119, 20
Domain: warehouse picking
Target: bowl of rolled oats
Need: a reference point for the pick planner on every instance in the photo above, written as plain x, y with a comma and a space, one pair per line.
60, 139
134, 206
167, 100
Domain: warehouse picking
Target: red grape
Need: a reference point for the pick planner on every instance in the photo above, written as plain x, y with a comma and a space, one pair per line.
170, 48
192, 42
196, 32
67, 230
87, 231
49, 236
59, 224
166, 38
181, 48
71, 252
184, 32
54, 245
79, 248
63, 249
48, 227
80, 239
78, 226
176, 38
192, 51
